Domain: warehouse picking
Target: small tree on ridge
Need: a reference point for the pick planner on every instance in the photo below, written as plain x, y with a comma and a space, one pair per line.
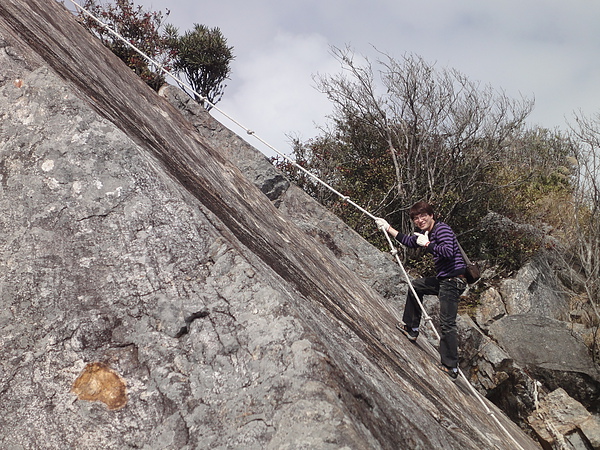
204, 57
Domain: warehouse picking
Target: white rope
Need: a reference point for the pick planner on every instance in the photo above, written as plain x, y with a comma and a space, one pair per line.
250, 132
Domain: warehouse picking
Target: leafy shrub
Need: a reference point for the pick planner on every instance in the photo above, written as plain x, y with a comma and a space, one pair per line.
140, 28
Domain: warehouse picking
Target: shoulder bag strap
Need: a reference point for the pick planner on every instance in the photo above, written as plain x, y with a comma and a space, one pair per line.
464, 255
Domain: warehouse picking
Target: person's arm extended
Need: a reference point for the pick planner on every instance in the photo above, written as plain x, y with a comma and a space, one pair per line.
408, 241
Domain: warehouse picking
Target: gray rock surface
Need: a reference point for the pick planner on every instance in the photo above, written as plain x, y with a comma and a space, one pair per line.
153, 297
550, 352
482, 357
374, 267
535, 290
491, 308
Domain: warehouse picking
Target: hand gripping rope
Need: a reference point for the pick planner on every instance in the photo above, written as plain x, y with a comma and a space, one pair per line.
345, 198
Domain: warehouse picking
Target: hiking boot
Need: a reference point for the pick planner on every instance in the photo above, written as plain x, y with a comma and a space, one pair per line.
449, 371
408, 331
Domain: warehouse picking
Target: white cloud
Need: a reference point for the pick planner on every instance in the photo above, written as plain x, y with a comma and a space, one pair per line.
274, 94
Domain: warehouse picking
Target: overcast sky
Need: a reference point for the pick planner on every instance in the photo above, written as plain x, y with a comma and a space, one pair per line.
548, 50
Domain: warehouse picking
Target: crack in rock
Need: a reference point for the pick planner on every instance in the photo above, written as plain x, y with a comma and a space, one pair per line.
188, 321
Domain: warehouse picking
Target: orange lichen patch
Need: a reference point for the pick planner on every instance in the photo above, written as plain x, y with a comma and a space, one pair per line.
100, 383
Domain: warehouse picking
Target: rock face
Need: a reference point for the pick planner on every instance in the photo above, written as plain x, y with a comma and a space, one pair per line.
371, 265
535, 290
531, 318
561, 422
153, 297
550, 352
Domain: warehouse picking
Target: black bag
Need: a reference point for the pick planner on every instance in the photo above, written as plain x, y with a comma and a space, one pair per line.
472, 274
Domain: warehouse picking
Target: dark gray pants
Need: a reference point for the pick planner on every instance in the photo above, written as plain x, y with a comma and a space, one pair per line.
448, 291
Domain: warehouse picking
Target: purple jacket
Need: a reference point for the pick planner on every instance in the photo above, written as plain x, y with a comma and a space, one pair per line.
444, 247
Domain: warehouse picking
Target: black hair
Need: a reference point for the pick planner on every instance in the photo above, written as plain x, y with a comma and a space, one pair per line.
420, 208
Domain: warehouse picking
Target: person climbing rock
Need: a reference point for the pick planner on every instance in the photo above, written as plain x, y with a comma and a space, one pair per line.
436, 238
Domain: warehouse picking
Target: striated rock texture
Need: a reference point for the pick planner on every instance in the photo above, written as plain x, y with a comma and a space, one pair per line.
151, 296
